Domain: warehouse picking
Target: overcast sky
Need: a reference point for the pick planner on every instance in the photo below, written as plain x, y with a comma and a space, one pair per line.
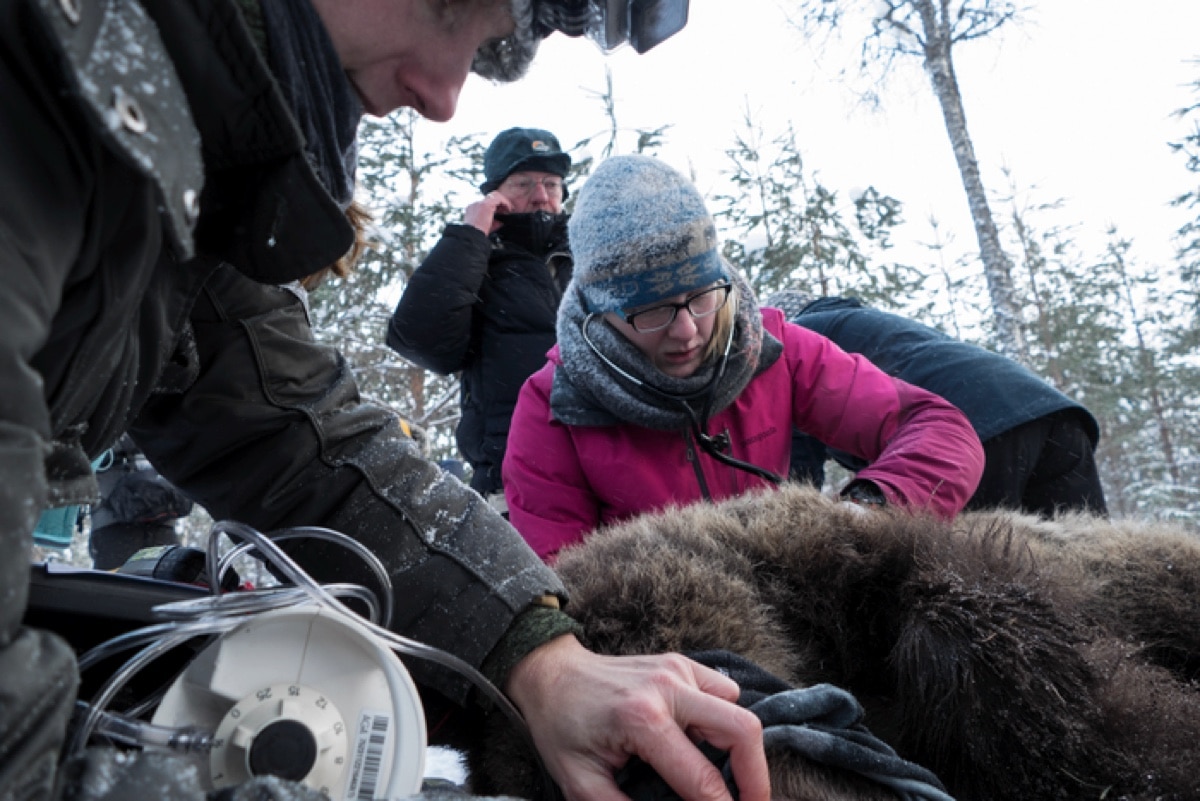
1076, 101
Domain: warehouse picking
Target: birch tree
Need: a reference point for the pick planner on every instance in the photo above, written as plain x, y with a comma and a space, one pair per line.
930, 30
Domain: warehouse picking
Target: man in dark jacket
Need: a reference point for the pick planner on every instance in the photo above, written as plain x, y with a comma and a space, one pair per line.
171, 170
1038, 443
485, 300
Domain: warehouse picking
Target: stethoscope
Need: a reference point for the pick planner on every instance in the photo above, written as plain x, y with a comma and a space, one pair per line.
713, 446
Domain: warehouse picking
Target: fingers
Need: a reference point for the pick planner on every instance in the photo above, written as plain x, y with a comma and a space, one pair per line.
649, 729
588, 781
501, 203
655, 708
714, 682
706, 714
698, 707
731, 729
481, 213
680, 763
750, 770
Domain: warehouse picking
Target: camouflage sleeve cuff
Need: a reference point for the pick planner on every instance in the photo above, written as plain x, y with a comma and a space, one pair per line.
536, 626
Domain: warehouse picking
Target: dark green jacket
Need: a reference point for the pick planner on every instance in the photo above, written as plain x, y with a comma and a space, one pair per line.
124, 309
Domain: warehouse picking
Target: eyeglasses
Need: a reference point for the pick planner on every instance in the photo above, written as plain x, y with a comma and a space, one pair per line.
524, 187
702, 304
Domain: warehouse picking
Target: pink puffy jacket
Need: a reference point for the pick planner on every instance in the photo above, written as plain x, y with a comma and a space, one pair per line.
563, 481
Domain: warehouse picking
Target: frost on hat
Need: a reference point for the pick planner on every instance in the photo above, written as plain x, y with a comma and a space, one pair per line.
640, 233
508, 59
790, 301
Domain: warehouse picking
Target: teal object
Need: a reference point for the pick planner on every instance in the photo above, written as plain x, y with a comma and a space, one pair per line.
56, 527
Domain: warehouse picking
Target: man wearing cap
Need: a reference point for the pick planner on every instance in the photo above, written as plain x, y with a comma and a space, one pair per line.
485, 300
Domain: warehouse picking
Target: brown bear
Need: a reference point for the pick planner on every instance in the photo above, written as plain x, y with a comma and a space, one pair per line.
1014, 657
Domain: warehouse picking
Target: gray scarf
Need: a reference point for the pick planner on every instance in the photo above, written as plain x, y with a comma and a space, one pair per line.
588, 390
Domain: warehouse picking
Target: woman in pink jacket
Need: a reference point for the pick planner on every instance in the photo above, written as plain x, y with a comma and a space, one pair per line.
670, 385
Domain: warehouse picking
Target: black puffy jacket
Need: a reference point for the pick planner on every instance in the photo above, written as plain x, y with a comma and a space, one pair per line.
967, 375
995, 393
486, 306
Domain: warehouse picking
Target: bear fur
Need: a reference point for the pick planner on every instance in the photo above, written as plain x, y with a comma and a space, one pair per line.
1014, 657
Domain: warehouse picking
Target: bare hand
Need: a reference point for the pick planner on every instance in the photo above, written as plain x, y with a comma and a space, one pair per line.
590, 713
482, 213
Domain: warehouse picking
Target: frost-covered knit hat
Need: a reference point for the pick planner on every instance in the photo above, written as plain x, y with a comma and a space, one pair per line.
790, 301
640, 233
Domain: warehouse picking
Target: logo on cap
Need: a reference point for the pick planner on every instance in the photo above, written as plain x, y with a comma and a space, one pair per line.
538, 144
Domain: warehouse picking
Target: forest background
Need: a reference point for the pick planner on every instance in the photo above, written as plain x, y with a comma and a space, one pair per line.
1110, 318
1112, 322
1104, 306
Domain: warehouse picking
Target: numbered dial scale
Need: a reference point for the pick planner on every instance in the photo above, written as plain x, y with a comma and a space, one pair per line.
307, 695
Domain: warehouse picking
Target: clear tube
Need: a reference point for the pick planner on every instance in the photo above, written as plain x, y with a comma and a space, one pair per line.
397, 642
131, 731
304, 532
221, 612
180, 633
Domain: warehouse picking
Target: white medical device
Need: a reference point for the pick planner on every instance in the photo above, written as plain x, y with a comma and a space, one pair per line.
306, 694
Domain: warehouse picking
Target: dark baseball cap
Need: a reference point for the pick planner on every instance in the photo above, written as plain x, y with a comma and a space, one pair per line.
521, 149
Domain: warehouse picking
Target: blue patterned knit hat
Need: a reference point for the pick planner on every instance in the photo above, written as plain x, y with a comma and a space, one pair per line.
640, 233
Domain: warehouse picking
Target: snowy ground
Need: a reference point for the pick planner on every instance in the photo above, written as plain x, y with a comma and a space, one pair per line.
444, 763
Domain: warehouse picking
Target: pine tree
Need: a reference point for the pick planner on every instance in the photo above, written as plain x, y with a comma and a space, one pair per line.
412, 193
954, 294
786, 230
1162, 401
1187, 239
610, 140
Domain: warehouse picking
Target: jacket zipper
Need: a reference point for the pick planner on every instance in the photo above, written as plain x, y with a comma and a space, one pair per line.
693, 457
